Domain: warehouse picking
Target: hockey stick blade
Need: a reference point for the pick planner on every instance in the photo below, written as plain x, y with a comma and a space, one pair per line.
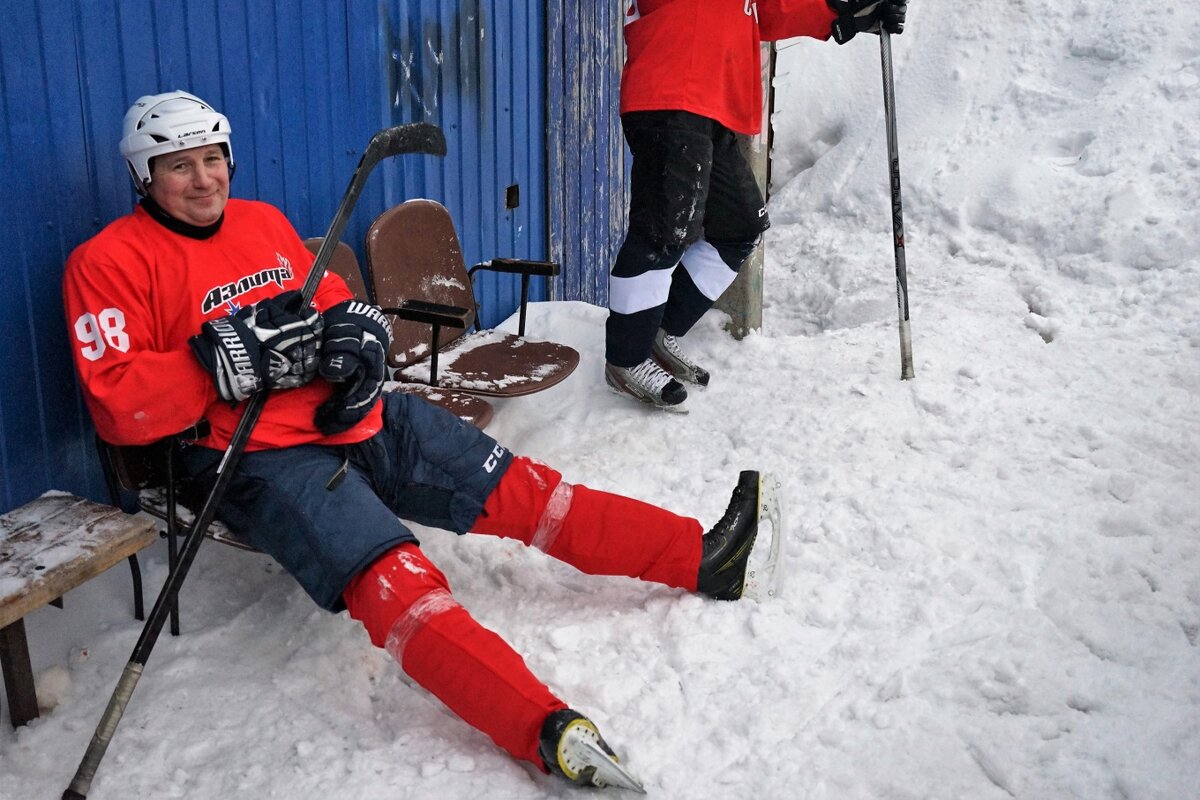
417, 138
608, 772
762, 575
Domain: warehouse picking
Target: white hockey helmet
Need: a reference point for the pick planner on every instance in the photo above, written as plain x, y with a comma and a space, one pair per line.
164, 123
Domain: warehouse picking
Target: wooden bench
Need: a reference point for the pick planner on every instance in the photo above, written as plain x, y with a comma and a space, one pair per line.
48, 547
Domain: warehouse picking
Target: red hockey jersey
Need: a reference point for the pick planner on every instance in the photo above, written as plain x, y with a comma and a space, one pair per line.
136, 292
702, 56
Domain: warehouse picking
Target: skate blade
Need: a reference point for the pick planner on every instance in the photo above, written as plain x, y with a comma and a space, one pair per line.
678, 408
608, 772
762, 574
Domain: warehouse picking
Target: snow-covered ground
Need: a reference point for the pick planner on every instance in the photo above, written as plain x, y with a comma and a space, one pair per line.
992, 571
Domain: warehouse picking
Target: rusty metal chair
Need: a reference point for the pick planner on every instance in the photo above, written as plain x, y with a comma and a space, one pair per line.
416, 270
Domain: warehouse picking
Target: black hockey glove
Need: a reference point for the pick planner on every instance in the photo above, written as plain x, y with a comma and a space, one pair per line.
857, 16
290, 334
272, 344
354, 358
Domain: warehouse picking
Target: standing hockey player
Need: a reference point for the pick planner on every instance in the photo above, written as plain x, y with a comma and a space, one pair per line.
690, 89
187, 306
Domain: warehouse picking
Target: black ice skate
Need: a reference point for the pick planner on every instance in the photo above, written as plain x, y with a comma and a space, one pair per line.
737, 562
572, 748
667, 353
728, 545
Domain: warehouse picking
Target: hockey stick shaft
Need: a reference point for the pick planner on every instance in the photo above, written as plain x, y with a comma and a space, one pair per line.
889, 113
415, 138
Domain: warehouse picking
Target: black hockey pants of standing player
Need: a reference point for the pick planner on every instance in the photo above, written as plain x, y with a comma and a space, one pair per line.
695, 201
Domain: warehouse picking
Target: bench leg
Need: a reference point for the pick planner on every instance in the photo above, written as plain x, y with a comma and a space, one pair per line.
18, 674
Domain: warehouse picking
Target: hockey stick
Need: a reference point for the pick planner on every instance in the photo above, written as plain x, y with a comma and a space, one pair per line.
889, 113
415, 138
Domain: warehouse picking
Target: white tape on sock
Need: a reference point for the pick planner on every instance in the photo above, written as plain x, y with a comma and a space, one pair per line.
550, 525
429, 605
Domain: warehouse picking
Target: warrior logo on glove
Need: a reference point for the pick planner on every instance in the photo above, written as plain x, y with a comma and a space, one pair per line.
270, 345
354, 358
239, 374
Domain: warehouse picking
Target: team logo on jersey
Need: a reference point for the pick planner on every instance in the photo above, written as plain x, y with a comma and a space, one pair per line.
632, 14
227, 294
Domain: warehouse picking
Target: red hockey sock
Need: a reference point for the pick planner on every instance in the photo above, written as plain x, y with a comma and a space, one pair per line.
595, 532
405, 604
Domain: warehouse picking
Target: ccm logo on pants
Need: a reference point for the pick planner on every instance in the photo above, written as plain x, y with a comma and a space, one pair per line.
493, 459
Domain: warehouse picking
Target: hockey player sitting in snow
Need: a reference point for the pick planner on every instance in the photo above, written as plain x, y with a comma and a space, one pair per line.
187, 306
690, 90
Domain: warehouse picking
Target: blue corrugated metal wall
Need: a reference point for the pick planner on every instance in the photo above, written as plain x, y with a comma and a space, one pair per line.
477, 68
304, 84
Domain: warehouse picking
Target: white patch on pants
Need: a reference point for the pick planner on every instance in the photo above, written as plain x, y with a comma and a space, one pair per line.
631, 295
709, 272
